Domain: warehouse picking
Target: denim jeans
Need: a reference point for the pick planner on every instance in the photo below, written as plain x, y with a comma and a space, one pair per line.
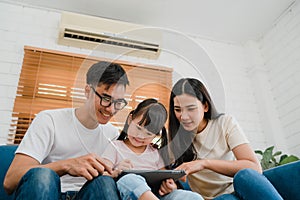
132, 186
43, 183
249, 185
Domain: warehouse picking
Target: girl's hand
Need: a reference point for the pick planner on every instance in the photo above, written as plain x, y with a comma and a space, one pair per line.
124, 164
167, 186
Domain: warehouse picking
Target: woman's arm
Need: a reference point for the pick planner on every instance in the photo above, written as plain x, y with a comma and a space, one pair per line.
245, 158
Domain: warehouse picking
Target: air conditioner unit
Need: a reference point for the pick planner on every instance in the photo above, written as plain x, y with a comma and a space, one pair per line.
108, 35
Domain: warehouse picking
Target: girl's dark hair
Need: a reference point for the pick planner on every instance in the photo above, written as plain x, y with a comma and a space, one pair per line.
107, 73
154, 117
182, 140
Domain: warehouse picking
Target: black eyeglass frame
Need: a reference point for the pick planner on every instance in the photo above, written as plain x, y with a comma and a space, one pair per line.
110, 101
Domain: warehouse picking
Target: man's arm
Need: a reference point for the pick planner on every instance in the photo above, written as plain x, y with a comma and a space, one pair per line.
19, 166
88, 166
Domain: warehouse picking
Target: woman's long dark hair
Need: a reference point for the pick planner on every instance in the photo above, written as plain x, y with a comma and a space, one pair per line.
154, 117
181, 140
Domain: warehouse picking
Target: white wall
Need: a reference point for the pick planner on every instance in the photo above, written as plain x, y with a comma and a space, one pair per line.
223, 67
233, 65
280, 52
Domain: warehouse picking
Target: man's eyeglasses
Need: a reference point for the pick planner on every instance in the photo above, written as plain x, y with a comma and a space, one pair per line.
119, 104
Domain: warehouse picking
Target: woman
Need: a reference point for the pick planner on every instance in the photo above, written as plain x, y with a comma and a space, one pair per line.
212, 148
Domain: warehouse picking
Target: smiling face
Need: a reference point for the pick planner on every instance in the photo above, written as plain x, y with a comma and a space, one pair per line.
101, 113
189, 111
138, 135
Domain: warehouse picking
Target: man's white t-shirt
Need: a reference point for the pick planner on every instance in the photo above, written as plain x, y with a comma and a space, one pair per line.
58, 135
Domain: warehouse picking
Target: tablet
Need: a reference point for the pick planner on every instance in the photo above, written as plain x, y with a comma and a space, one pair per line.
155, 177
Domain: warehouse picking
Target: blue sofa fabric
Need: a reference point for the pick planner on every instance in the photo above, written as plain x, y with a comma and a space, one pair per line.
7, 153
286, 179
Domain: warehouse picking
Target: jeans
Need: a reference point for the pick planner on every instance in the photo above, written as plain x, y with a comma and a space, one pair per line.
132, 186
249, 185
43, 183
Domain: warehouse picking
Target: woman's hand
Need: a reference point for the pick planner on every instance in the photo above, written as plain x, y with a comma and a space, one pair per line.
191, 167
167, 186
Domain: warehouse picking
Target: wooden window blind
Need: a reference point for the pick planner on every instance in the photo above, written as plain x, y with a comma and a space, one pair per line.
53, 79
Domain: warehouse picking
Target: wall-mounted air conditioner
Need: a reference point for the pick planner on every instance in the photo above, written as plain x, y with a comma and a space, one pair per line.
108, 35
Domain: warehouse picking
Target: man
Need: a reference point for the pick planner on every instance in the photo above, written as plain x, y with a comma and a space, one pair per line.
58, 157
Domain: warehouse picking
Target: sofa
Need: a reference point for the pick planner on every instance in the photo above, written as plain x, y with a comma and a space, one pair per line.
288, 186
7, 153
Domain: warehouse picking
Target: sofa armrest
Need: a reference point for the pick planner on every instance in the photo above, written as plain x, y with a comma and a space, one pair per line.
286, 179
7, 153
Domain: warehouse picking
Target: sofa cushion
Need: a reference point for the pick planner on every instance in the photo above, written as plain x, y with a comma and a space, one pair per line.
286, 179
7, 153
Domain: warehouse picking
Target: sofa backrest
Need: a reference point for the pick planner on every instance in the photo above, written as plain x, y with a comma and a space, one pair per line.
7, 153
286, 179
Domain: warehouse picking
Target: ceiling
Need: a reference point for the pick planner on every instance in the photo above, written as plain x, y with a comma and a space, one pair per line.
224, 20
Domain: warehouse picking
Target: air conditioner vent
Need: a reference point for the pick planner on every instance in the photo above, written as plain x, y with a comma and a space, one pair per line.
109, 35
111, 40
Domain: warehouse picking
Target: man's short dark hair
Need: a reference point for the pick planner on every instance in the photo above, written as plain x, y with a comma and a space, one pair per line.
107, 73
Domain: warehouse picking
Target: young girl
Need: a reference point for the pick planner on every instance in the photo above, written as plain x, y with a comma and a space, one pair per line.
133, 150
212, 148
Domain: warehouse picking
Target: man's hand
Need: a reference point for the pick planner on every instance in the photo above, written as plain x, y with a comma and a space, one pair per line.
88, 166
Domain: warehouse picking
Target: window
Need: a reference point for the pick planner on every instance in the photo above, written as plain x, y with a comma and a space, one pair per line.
52, 79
